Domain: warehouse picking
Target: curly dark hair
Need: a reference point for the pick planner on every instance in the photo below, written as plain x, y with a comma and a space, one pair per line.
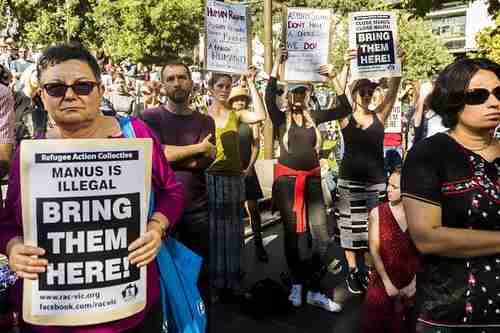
448, 96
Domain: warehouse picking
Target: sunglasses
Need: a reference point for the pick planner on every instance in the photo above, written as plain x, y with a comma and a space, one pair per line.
480, 95
80, 88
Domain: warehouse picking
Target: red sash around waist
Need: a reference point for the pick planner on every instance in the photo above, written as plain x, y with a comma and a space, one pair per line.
300, 185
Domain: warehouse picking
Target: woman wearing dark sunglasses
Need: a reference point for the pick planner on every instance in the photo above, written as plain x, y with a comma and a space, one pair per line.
361, 178
451, 194
71, 92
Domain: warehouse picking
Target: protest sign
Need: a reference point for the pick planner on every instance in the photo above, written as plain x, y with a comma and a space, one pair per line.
227, 31
393, 122
374, 35
85, 202
307, 36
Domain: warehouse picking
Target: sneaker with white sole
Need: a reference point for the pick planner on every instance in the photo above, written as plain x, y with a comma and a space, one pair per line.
296, 295
322, 301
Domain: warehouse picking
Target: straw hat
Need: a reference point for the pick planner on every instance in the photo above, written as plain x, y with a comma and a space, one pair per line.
238, 92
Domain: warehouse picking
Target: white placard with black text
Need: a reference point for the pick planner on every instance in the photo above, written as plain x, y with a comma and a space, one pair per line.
227, 37
84, 202
375, 36
308, 43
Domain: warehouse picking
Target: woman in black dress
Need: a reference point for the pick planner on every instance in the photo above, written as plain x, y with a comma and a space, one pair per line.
451, 194
297, 183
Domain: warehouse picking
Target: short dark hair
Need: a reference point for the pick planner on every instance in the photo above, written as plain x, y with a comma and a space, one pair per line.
216, 77
447, 97
62, 52
175, 63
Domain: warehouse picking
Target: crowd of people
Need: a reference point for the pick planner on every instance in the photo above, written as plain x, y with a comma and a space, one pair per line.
417, 216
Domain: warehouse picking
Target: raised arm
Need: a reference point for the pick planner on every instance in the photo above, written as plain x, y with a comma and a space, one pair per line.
277, 117
374, 245
259, 114
385, 108
342, 108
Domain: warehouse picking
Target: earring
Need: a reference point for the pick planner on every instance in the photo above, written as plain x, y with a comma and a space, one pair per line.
496, 133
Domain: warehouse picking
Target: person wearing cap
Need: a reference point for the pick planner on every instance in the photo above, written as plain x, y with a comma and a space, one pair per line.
362, 180
297, 190
249, 135
225, 185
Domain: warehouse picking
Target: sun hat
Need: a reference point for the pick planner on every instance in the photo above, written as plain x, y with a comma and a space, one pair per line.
238, 92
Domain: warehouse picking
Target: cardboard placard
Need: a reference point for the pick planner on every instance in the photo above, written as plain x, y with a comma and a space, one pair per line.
307, 35
84, 202
375, 36
227, 33
393, 123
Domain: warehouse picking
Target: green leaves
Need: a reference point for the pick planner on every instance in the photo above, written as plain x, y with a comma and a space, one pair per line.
142, 30
426, 54
488, 42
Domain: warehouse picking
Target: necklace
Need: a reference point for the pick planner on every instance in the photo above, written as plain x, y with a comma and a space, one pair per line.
483, 147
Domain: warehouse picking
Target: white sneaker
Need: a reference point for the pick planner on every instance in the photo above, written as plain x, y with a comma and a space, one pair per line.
296, 295
322, 301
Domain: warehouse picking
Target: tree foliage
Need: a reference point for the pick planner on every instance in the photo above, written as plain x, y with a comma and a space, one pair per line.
426, 54
422, 7
488, 42
148, 29
144, 30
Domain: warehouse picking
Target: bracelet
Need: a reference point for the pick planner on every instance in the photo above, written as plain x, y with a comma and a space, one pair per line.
162, 227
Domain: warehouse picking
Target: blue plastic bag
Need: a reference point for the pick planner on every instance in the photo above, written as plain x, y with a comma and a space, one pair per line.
179, 267
183, 307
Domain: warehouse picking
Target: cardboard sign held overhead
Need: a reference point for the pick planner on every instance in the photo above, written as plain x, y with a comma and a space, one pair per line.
79, 205
227, 31
375, 36
307, 36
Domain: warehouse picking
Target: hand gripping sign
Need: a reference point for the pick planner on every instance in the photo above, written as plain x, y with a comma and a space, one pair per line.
84, 202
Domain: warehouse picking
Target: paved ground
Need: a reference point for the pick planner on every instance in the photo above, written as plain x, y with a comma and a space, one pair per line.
307, 319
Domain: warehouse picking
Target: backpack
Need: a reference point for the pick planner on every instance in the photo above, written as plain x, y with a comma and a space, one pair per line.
267, 298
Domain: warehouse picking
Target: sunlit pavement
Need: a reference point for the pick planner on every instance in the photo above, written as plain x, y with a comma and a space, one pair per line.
232, 317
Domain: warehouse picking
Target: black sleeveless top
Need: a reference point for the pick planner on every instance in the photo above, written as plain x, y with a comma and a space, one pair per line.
364, 152
301, 154
246, 138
